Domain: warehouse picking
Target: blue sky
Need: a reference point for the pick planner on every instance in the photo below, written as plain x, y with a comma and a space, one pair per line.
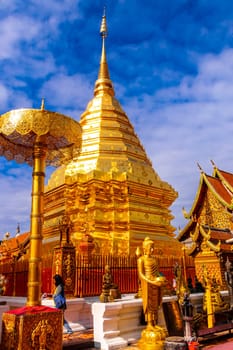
171, 63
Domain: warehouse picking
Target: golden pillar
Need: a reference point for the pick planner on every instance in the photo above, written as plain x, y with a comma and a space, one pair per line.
38, 175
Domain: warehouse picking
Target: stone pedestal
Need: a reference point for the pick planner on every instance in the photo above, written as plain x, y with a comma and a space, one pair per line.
78, 312
32, 327
116, 324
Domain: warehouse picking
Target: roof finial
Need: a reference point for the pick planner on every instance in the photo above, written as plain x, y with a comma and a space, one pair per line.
200, 167
103, 83
42, 104
212, 162
103, 27
17, 230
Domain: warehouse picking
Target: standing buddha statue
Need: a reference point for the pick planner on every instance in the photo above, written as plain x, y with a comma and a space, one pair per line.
151, 282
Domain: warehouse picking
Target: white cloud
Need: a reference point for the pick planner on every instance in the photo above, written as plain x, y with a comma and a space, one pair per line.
67, 92
15, 200
15, 30
193, 124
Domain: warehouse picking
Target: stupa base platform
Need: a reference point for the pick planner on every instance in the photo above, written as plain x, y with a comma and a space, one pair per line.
32, 327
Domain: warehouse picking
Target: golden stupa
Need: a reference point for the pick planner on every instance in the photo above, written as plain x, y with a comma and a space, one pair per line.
110, 190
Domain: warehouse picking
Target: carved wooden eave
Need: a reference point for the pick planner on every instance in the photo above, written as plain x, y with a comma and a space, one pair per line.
207, 236
194, 236
214, 238
14, 247
185, 232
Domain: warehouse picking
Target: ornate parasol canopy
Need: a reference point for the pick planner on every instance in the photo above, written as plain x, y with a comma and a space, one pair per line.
20, 128
38, 137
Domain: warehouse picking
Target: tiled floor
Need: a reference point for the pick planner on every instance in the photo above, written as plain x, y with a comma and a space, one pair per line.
78, 340
84, 340
222, 341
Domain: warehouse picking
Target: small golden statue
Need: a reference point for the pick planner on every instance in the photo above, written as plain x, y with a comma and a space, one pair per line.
212, 300
152, 338
110, 290
2, 284
181, 288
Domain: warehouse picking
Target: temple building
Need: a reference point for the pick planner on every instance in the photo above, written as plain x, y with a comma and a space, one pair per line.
109, 197
210, 223
99, 206
110, 191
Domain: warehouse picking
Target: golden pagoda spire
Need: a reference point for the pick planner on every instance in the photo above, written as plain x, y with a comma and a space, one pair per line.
103, 84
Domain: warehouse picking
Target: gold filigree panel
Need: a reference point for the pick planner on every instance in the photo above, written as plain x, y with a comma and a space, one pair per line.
32, 330
20, 129
212, 265
213, 213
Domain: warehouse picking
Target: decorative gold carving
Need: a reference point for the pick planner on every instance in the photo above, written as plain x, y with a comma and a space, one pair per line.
195, 235
212, 301
64, 265
9, 334
65, 226
40, 334
3, 282
181, 288
39, 330
206, 244
213, 212
21, 127
58, 260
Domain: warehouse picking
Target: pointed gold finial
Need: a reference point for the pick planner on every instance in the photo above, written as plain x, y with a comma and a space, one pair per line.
103, 27
212, 162
42, 104
185, 214
200, 167
103, 83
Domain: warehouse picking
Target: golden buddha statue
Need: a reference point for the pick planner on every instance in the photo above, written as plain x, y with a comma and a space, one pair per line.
151, 282
110, 290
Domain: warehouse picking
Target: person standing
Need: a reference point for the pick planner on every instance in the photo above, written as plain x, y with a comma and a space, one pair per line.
59, 291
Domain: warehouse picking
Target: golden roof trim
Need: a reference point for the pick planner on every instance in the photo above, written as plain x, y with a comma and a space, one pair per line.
189, 215
207, 235
221, 177
219, 197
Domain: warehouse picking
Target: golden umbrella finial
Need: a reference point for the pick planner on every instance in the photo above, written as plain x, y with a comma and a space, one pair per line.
37, 137
103, 83
103, 27
42, 104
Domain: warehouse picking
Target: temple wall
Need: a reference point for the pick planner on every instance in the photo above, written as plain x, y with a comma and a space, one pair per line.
118, 214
